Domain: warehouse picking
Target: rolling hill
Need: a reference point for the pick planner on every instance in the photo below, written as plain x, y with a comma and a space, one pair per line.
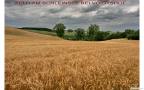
20, 33
41, 62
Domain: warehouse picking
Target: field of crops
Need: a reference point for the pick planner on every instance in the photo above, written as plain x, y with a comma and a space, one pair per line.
41, 62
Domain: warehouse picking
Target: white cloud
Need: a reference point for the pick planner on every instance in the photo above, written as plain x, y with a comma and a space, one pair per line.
74, 15
132, 9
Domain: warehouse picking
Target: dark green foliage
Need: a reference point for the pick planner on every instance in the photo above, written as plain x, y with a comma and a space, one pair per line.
129, 34
70, 30
106, 34
36, 28
92, 30
69, 35
93, 33
129, 31
123, 35
100, 36
115, 35
133, 36
80, 34
59, 28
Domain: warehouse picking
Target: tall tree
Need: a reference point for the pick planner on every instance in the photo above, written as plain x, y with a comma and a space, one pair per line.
80, 34
92, 30
59, 29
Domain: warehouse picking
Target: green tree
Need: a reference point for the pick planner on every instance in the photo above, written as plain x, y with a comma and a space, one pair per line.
129, 31
59, 28
92, 30
116, 35
100, 36
80, 34
134, 35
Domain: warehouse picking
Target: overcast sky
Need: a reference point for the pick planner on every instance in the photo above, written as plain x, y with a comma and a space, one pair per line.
108, 17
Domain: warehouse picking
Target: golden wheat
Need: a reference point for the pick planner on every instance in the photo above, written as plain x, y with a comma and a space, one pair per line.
39, 62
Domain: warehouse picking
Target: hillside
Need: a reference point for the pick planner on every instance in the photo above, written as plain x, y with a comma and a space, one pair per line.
41, 62
14, 33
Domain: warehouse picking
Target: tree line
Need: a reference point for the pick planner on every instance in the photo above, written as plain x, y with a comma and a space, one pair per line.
38, 29
94, 34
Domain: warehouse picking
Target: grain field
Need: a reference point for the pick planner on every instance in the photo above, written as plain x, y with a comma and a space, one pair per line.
41, 62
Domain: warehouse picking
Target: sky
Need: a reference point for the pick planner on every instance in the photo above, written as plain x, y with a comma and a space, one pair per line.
109, 17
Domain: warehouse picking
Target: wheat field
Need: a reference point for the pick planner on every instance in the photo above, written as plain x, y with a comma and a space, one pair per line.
41, 62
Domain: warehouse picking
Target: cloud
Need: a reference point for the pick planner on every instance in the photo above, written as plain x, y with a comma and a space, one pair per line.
73, 16
89, 8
